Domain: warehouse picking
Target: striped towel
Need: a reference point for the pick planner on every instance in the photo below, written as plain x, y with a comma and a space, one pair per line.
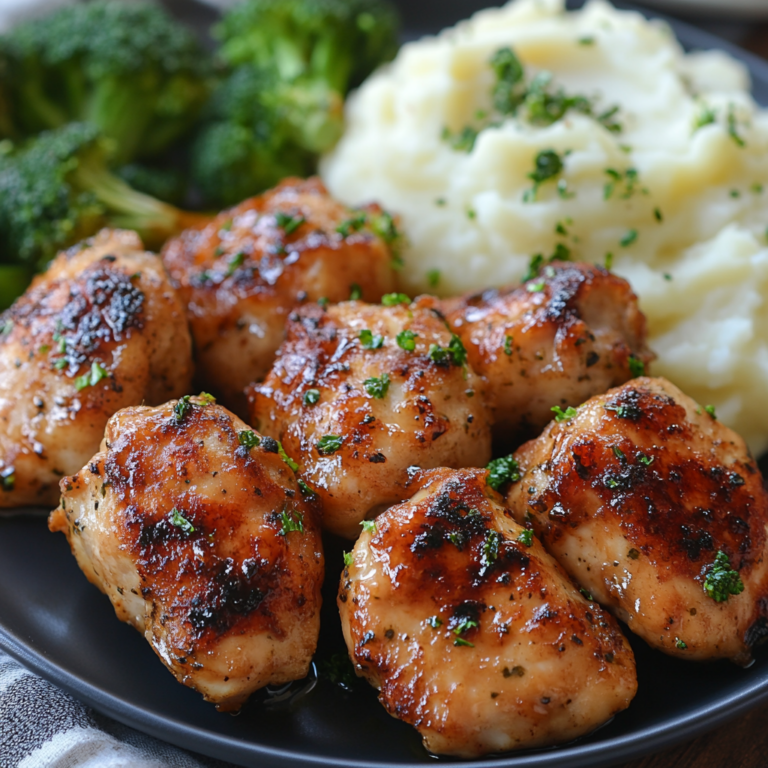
43, 727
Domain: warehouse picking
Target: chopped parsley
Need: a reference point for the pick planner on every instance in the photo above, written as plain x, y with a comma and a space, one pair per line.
629, 411
369, 526
407, 340
435, 622
393, 299
586, 40
563, 415
92, 378
628, 238
722, 581
454, 353
311, 397
370, 340
464, 626
8, 479
657, 215
618, 453
707, 116
679, 644
305, 489
462, 141
338, 670
508, 346
547, 165
349, 559
733, 127
323, 301
534, 266
235, 262
355, 292
248, 439
181, 522
621, 182
636, 366
608, 264
526, 537
329, 444
182, 408
710, 409
289, 224
433, 277
503, 470
645, 460
377, 387
536, 287
490, 552
354, 224
286, 458
291, 521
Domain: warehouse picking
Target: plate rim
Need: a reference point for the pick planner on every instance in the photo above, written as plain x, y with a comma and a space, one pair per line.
239, 751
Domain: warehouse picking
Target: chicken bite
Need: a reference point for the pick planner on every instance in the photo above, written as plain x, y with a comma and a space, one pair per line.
659, 511
242, 275
100, 330
359, 393
471, 632
194, 527
570, 333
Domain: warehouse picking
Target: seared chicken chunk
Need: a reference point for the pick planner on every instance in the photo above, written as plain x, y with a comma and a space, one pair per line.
360, 393
471, 632
194, 527
573, 332
242, 275
100, 330
659, 511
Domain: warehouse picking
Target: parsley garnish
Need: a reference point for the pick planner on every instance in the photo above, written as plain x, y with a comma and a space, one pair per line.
508, 345
349, 558
248, 439
657, 215
370, 340
679, 644
503, 470
182, 408
536, 287
407, 340
710, 409
526, 537
291, 521
8, 479
235, 262
464, 626
563, 415
608, 261
181, 522
286, 458
433, 277
547, 165
311, 397
92, 378
377, 387
369, 526
355, 292
636, 366
435, 622
289, 224
355, 224
393, 299
722, 581
732, 127
305, 489
454, 353
628, 238
490, 551
463, 141
329, 444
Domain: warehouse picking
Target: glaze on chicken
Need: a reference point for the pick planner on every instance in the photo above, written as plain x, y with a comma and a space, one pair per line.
359, 393
471, 632
573, 332
659, 511
100, 330
194, 527
242, 275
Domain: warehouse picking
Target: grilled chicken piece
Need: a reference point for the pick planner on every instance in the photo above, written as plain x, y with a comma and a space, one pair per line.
472, 635
242, 275
659, 511
359, 393
573, 332
194, 527
102, 329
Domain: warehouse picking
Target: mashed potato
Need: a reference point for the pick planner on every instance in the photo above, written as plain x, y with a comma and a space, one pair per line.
670, 184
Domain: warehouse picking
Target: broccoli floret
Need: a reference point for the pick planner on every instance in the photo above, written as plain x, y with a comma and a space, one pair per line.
6, 122
249, 143
164, 183
128, 68
57, 190
334, 42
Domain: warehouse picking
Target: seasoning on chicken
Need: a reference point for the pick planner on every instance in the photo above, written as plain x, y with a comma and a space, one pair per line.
194, 527
243, 274
471, 632
659, 511
570, 333
361, 393
102, 329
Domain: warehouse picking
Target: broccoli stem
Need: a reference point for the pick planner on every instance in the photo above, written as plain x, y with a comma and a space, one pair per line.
38, 110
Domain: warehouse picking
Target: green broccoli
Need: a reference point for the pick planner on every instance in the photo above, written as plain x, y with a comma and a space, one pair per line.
128, 68
334, 43
13, 281
249, 143
168, 184
57, 190
6, 123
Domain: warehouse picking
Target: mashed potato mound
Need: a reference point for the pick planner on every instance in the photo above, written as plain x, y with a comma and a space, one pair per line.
673, 184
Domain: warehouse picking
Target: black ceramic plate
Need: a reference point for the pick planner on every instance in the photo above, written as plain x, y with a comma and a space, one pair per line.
60, 626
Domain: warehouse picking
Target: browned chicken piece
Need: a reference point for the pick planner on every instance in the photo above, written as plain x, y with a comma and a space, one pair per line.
471, 632
659, 511
242, 275
194, 527
100, 330
360, 393
573, 332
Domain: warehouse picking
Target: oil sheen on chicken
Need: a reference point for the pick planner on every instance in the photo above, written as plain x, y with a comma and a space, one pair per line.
242, 275
570, 333
659, 511
194, 527
100, 330
473, 633
360, 393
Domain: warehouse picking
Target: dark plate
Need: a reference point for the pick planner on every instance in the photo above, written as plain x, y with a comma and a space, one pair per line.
60, 626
